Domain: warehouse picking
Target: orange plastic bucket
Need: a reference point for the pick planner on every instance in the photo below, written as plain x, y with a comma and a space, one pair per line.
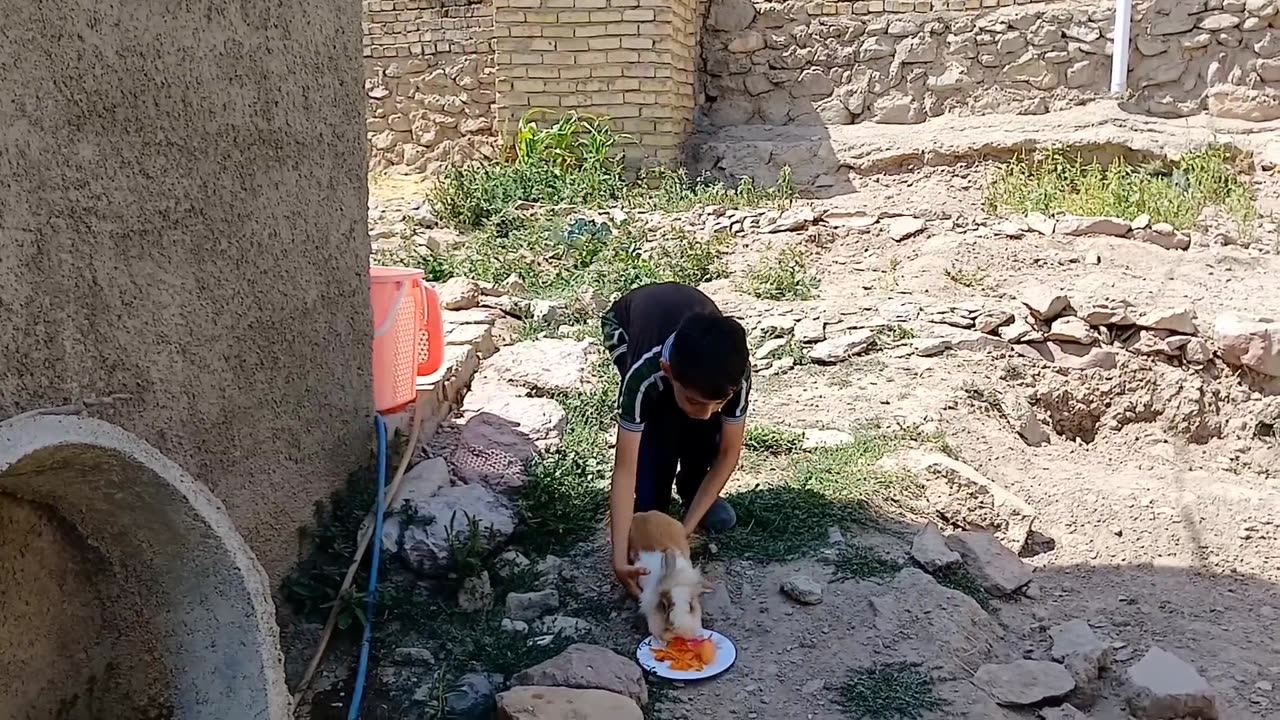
408, 334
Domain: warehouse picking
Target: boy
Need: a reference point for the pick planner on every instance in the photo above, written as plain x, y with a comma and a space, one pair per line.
682, 403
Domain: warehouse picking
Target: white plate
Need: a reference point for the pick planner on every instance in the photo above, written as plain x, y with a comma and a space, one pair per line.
726, 656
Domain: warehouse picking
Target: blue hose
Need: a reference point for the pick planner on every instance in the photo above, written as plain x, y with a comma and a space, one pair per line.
362, 671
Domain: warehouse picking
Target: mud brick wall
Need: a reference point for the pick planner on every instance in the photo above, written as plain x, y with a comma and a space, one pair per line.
632, 60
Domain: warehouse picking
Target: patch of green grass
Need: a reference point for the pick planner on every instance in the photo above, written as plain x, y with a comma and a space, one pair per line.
573, 161
890, 691
972, 277
567, 493
577, 160
522, 218
859, 562
784, 275
672, 190
559, 258
772, 440
1055, 182
957, 578
682, 257
824, 487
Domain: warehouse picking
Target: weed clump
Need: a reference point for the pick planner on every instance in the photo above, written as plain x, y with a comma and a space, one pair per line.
859, 562
782, 276
890, 691
1054, 183
772, 440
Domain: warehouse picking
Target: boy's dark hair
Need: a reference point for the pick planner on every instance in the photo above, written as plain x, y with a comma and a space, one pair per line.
709, 355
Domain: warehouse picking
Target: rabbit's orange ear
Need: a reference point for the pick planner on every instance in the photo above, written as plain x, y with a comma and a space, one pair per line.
668, 560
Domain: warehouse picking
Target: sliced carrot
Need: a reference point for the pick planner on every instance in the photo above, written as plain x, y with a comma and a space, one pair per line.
686, 655
707, 652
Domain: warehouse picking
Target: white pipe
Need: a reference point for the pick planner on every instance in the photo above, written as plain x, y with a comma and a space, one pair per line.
1120, 47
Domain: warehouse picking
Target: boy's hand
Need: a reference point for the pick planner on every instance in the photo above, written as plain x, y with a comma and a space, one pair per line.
629, 575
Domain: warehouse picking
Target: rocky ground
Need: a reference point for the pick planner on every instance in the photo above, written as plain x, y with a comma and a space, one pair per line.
1086, 413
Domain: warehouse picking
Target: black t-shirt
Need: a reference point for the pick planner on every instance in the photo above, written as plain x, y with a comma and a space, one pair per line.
638, 329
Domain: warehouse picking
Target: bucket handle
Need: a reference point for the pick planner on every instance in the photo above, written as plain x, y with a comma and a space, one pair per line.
433, 326
390, 321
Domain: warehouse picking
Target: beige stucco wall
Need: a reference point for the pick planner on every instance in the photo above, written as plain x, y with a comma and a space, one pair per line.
182, 218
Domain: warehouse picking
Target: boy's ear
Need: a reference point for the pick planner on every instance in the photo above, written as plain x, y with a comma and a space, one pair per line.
666, 367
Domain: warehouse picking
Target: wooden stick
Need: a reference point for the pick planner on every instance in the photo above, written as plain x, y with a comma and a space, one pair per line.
365, 536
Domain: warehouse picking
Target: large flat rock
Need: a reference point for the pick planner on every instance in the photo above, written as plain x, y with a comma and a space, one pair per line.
547, 365
588, 667
552, 703
757, 151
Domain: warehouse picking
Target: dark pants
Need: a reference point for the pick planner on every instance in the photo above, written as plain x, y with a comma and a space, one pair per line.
674, 446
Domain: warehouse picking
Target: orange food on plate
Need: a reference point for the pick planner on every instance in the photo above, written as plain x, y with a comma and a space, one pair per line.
687, 655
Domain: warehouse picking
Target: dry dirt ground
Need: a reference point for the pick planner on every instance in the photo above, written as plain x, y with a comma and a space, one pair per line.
1157, 540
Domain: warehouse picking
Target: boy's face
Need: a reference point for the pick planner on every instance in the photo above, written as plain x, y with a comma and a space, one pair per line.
693, 404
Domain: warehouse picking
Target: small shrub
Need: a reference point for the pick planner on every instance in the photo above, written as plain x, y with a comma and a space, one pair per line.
893, 334
687, 259
1055, 183
957, 578
782, 276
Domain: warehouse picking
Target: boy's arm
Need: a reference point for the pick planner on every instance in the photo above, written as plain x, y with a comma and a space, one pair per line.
732, 430
622, 499
722, 469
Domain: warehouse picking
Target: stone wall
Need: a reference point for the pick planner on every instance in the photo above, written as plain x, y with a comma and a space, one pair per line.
825, 64
429, 80
445, 81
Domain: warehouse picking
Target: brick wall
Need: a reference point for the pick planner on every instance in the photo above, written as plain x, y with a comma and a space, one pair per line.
429, 80
632, 60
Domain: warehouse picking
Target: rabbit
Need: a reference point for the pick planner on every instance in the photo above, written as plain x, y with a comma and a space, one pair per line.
671, 592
